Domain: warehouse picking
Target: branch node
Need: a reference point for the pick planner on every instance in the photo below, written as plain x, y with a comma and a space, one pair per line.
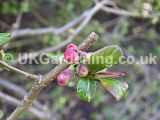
39, 81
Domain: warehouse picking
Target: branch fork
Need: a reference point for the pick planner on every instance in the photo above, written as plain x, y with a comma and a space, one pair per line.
43, 81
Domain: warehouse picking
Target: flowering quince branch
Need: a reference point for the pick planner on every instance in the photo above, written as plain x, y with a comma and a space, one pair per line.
45, 80
89, 73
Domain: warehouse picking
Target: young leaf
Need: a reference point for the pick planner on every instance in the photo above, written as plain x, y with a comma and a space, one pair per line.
104, 58
86, 88
108, 75
115, 87
4, 38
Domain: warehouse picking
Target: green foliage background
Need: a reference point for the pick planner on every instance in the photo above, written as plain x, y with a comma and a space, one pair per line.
136, 36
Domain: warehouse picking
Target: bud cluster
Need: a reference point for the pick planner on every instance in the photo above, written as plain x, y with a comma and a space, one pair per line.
72, 55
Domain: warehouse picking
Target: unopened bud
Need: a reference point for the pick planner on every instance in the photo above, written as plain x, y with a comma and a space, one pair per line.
82, 70
72, 47
71, 56
64, 76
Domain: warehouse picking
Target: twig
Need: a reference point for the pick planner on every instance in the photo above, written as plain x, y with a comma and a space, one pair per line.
89, 14
47, 30
47, 79
40, 31
14, 101
121, 12
27, 75
127, 13
16, 25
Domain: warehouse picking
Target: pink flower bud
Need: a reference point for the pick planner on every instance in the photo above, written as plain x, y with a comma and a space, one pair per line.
64, 76
71, 56
82, 70
72, 47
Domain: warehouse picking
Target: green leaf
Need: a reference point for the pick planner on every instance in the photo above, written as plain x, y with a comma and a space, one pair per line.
115, 87
104, 58
1, 114
4, 38
86, 88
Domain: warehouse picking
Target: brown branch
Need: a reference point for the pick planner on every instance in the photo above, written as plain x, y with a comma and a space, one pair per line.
25, 74
47, 79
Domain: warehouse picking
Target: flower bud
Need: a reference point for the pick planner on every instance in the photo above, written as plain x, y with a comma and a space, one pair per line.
64, 76
82, 70
72, 47
71, 56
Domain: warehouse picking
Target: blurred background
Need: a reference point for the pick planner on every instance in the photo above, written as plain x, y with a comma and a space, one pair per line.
49, 25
